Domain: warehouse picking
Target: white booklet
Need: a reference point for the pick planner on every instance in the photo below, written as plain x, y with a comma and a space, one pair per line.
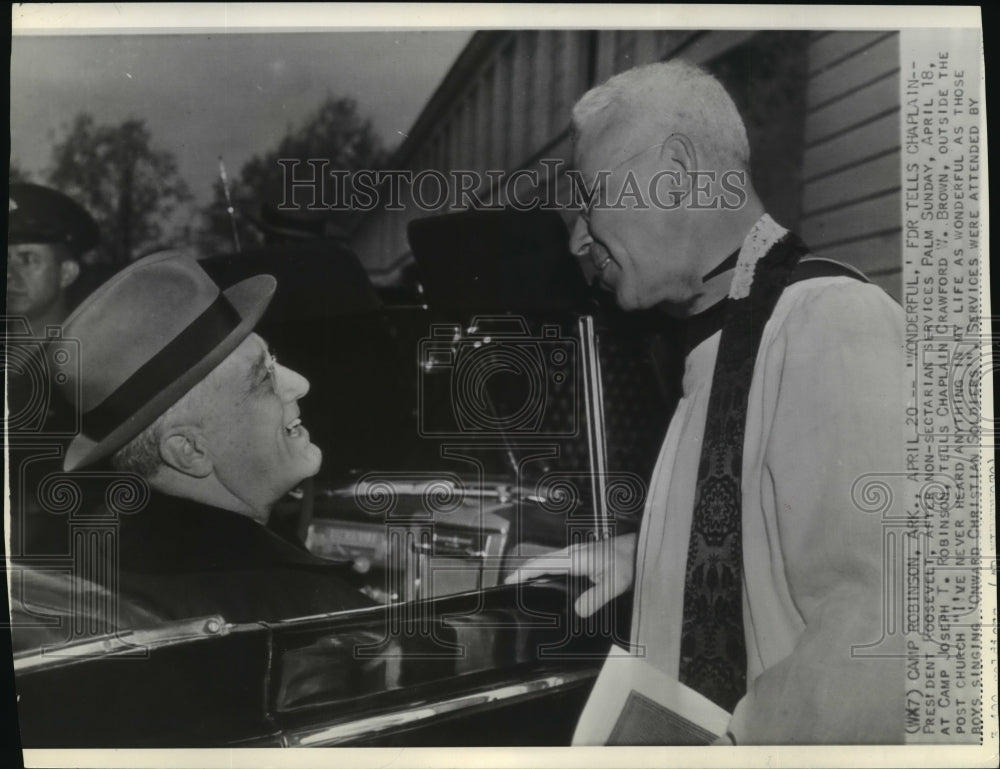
633, 703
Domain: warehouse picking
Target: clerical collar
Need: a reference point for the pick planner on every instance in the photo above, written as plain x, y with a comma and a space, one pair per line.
726, 264
695, 329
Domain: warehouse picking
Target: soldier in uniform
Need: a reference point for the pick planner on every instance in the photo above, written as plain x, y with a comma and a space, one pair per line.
47, 235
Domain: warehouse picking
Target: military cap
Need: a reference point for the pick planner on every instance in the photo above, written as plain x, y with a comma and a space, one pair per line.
38, 214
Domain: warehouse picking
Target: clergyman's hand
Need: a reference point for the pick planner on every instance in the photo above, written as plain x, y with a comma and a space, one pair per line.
608, 563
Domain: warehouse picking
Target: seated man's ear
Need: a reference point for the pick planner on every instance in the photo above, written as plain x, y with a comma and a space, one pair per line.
183, 449
69, 271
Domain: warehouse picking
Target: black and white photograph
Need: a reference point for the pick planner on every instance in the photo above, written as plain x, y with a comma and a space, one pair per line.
571, 378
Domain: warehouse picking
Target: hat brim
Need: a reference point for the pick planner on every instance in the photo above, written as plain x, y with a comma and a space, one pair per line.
250, 298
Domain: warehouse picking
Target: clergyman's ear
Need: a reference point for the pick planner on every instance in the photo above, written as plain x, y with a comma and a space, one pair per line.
679, 166
678, 153
183, 449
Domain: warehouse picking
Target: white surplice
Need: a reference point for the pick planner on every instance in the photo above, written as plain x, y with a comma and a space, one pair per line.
826, 407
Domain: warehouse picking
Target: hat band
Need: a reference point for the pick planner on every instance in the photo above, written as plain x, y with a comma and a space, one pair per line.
186, 350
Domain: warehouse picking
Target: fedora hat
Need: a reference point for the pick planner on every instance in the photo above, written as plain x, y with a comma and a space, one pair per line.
144, 339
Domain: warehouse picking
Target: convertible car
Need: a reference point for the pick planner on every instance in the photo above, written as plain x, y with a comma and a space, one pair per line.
498, 412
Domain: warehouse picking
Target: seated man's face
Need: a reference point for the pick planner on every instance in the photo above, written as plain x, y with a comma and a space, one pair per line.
250, 413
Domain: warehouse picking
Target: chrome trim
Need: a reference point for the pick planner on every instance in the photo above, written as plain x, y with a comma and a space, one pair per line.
339, 733
130, 642
504, 493
597, 445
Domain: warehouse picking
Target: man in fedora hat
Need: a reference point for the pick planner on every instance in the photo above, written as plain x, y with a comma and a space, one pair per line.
176, 388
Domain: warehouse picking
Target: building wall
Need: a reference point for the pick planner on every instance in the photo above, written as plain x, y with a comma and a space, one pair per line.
505, 105
851, 172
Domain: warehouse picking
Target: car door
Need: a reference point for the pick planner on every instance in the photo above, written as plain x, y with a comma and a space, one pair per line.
510, 665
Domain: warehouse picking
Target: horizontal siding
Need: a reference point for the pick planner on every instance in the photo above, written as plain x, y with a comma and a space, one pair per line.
851, 162
851, 147
830, 49
854, 221
863, 67
713, 44
669, 43
875, 255
853, 108
865, 180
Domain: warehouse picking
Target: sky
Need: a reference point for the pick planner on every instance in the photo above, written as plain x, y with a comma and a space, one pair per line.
205, 95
